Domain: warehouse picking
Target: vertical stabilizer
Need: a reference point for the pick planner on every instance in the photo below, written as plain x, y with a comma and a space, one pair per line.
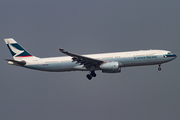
17, 51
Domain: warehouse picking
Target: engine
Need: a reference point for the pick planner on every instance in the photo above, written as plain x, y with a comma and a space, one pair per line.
111, 67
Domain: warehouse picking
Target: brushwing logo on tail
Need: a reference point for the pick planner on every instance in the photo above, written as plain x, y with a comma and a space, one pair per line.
17, 50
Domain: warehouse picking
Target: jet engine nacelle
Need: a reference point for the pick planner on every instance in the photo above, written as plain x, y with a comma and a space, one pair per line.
111, 67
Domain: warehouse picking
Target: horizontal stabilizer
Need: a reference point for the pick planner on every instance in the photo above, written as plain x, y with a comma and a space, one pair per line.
14, 62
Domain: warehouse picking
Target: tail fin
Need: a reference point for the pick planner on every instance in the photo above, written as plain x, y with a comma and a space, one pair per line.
17, 51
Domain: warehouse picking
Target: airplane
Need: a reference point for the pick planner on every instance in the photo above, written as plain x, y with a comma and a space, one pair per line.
106, 62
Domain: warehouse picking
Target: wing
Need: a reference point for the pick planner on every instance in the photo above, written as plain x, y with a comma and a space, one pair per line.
86, 61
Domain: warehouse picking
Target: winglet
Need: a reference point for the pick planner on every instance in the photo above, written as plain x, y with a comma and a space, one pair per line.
62, 50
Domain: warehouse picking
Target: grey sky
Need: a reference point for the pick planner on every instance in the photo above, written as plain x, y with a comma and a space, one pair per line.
96, 26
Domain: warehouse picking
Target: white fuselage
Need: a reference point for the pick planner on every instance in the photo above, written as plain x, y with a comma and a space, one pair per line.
126, 59
106, 62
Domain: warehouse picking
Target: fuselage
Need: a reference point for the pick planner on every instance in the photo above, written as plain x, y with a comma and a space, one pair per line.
106, 62
126, 59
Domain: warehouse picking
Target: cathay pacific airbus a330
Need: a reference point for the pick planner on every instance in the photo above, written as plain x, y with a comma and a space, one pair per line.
106, 62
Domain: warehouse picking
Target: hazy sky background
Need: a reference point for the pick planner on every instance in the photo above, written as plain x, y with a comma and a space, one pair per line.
83, 27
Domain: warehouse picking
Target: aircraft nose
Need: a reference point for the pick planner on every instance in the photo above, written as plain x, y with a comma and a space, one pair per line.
175, 55
170, 56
